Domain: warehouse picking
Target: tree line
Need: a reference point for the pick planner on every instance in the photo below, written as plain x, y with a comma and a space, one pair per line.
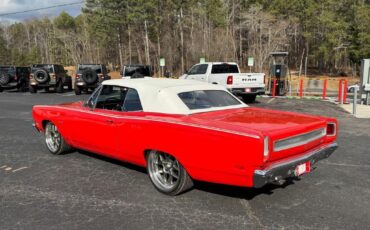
330, 36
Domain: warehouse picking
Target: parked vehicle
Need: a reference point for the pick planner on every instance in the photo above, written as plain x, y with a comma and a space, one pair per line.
46, 76
14, 77
136, 71
183, 130
90, 76
245, 85
351, 88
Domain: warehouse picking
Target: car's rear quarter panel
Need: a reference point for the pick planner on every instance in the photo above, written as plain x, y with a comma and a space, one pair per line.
206, 154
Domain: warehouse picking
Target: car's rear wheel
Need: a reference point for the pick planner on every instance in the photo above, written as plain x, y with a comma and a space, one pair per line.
60, 87
249, 98
33, 89
54, 140
167, 174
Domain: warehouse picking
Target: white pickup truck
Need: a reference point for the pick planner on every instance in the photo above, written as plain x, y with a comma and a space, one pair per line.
245, 85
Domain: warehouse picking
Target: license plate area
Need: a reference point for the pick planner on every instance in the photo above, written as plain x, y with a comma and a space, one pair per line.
303, 168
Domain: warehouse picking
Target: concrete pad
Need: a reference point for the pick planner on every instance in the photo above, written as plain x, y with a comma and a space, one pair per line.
362, 111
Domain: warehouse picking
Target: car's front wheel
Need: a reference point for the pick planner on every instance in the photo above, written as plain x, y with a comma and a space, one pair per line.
54, 140
167, 174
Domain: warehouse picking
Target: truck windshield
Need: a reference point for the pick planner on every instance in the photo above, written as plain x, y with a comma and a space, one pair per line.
6, 69
48, 68
224, 68
143, 70
204, 99
96, 68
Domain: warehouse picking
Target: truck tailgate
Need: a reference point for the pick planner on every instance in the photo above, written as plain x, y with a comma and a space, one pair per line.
248, 79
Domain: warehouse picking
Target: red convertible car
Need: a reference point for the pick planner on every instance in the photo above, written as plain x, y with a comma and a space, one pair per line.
183, 130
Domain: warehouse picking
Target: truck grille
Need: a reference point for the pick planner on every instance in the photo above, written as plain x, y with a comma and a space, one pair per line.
298, 140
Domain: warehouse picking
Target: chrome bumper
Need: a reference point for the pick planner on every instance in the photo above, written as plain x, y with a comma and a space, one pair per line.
285, 169
35, 126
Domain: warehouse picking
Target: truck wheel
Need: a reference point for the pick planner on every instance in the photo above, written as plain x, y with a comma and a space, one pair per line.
59, 87
22, 86
167, 174
77, 90
33, 89
249, 98
54, 140
70, 86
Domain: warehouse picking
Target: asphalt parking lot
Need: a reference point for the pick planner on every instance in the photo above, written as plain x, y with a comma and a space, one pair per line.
81, 190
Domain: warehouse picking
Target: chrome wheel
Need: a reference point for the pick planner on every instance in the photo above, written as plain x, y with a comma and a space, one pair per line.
53, 138
164, 170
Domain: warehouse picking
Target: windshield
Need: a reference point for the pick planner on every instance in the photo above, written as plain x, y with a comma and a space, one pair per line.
224, 68
143, 70
204, 99
6, 69
48, 68
96, 68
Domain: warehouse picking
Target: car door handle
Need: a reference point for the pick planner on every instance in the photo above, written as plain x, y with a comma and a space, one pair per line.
109, 121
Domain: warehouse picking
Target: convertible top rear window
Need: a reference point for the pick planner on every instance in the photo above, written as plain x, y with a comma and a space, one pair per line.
204, 99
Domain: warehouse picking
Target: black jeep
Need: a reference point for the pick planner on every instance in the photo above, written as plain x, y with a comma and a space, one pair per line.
14, 77
49, 75
136, 71
89, 76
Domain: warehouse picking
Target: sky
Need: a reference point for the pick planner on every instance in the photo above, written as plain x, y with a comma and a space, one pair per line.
10, 6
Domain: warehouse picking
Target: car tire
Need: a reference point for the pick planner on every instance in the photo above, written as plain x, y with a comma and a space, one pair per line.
59, 87
163, 170
78, 90
249, 98
1, 89
47, 89
70, 86
33, 89
23, 86
54, 141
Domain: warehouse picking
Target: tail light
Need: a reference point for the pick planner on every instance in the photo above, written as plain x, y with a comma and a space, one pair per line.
331, 129
78, 76
266, 148
15, 77
229, 80
30, 76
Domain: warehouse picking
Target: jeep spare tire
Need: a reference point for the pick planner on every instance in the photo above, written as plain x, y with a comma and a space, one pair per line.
4, 78
41, 76
89, 76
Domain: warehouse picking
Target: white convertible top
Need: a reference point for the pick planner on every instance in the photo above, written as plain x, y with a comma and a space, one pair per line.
161, 95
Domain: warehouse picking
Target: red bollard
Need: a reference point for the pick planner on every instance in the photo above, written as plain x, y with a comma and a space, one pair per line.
301, 88
274, 88
324, 89
345, 92
340, 91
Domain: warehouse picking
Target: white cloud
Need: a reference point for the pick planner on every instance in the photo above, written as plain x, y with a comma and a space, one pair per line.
11, 6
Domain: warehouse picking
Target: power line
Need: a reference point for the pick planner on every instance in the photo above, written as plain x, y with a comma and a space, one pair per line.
44, 8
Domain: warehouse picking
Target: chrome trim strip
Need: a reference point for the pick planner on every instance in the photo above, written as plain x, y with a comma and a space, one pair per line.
299, 143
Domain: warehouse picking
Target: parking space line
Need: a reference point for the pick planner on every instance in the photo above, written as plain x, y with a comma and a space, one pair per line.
268, 102
347, 165
19, 169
